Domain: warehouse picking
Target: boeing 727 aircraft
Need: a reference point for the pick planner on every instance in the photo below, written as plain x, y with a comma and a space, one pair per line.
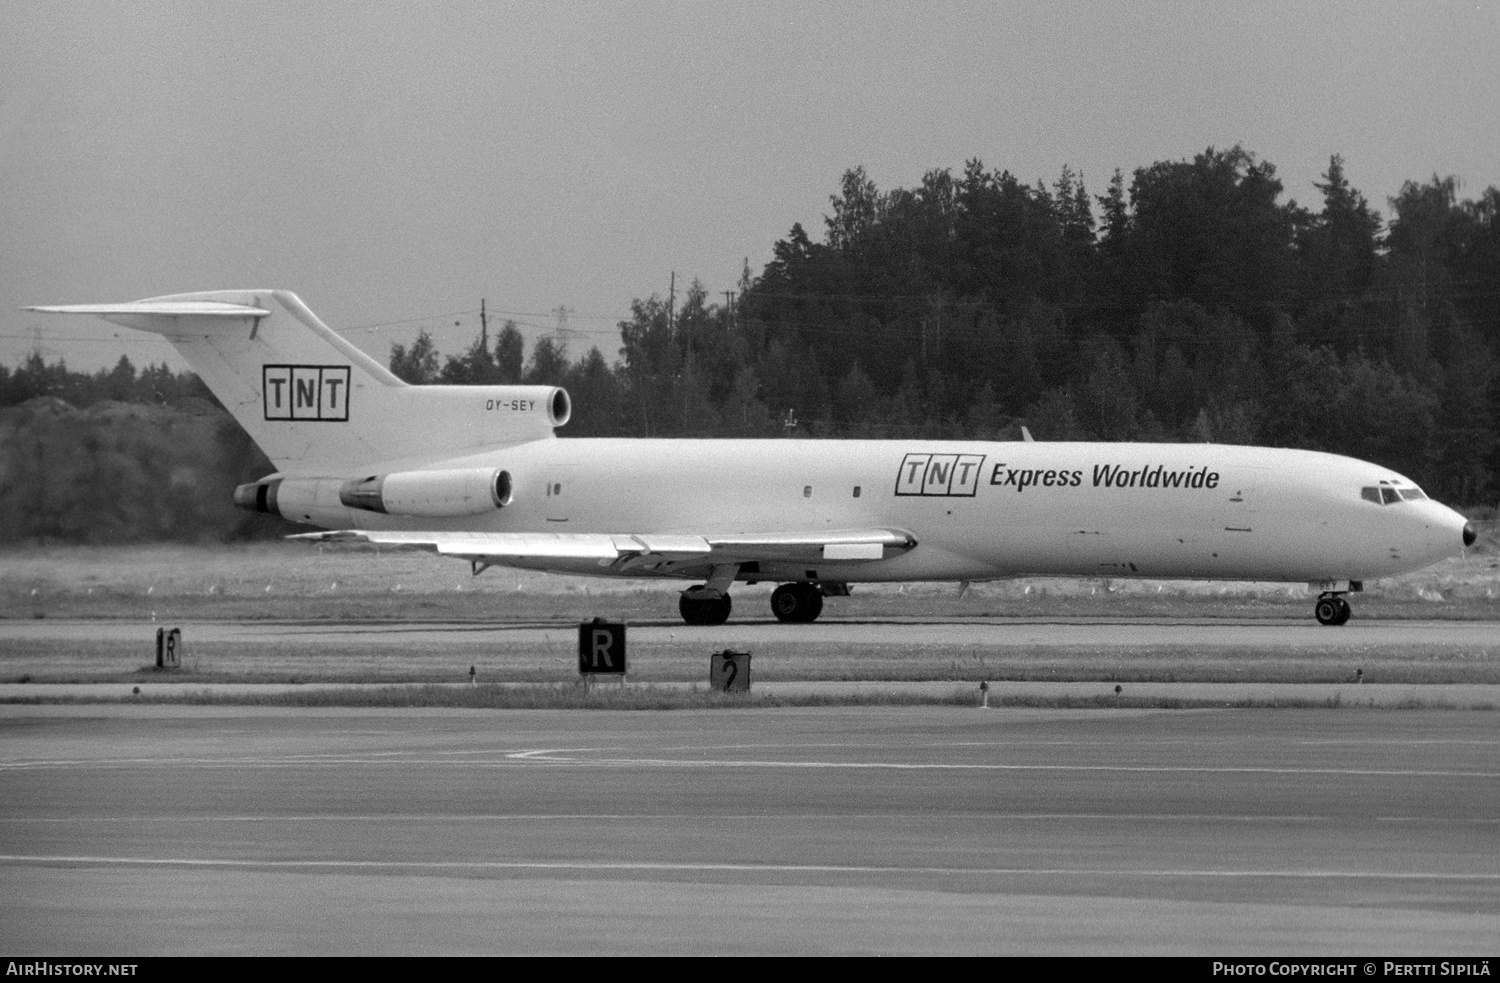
477, 473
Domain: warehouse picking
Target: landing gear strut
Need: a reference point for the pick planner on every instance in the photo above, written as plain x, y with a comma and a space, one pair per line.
1332, 609
799, 603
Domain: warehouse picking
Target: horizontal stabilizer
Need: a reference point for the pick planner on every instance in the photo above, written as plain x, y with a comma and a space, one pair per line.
158, 308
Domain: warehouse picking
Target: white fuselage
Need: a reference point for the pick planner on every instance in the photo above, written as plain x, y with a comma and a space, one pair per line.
977, 510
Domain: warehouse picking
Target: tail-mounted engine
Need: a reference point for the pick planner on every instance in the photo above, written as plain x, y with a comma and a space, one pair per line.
421, 494
430, 494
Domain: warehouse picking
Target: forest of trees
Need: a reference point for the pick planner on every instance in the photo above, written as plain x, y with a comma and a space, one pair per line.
155, 384
1189, 302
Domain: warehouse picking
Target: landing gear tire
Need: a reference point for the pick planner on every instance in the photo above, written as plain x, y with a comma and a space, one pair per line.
1332, 610
704, 610
797, 603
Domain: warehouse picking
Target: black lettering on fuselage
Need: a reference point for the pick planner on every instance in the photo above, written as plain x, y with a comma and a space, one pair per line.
1118, 476
1023, 478
1148, 476
939, 475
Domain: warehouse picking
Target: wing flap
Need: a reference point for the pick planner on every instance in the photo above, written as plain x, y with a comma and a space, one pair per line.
502, 546
629, 548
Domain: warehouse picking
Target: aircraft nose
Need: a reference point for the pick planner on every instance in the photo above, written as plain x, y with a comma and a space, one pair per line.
1470, 534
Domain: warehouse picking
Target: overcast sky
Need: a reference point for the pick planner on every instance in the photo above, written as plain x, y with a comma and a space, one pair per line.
393, 163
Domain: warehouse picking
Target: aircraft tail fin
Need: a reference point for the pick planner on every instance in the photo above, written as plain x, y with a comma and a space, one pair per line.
314, 402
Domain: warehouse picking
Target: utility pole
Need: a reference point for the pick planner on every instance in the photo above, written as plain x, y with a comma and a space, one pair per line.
484, 328
562, 311
672, 306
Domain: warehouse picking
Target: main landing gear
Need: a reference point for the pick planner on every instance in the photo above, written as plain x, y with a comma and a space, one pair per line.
703, 605
1332, 609
797, 603
709, 604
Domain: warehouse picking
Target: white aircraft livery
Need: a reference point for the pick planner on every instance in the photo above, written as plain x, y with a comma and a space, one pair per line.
477, 473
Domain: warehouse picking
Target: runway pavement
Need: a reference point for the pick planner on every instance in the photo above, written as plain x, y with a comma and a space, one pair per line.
138, 830
974, 633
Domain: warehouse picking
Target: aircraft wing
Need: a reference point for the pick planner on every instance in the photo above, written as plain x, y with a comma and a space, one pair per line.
624, 550
157, 308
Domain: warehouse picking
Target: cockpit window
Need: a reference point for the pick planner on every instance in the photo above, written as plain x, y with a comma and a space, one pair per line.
1384, 494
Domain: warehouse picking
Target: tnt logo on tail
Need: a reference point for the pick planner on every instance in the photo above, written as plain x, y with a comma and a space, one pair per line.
306, 392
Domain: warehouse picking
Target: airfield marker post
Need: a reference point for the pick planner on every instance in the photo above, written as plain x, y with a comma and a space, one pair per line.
601, 650
729, 671
168, 647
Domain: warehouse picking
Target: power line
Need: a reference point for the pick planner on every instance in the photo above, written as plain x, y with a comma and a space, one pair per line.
473, 311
